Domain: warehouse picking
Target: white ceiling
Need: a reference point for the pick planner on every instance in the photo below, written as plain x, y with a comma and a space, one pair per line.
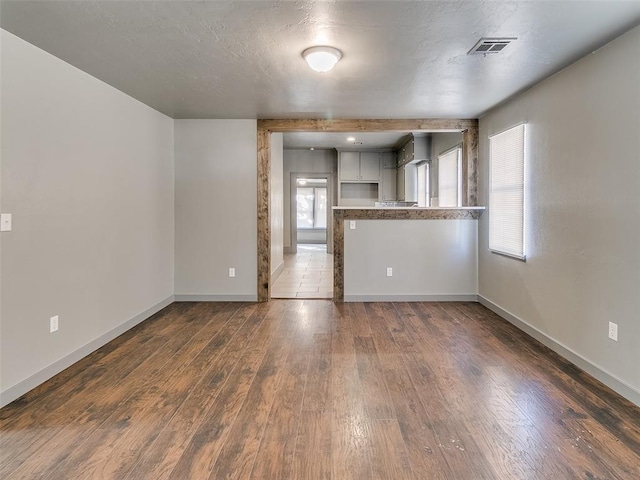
242, 59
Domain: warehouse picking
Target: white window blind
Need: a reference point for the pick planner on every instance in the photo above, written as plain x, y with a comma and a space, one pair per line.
506, 195
449, 180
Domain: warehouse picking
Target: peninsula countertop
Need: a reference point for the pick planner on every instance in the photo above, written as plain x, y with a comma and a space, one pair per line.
406, 213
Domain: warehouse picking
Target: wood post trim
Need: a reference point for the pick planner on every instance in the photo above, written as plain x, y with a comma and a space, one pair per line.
469, 127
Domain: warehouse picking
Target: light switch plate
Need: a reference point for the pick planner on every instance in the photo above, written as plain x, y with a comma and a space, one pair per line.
352, 224
5, 222
389, 272
232, 272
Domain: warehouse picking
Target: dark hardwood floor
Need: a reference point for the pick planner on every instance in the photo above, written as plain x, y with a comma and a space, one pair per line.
309, 389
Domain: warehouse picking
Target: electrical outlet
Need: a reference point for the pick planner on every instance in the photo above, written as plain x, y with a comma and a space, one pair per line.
53, 324
389, 272
352, 224
5, 222
613, 331
232, 272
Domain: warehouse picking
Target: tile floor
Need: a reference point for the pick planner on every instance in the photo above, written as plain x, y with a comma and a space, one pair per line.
307, 274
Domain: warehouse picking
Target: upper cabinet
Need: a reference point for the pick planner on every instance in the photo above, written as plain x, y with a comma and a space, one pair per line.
388, 179
350, 166
369, 166
359, 166
418, 147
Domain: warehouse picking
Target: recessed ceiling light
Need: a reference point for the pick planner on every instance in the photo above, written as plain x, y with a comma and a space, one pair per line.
311, 148
351, 139
302, 181
322, 59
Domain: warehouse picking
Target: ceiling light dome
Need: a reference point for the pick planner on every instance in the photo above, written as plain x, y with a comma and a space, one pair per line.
322, 59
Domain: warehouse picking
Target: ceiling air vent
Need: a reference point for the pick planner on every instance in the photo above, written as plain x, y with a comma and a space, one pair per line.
486, 46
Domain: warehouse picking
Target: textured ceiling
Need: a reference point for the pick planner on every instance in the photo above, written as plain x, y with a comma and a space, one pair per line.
242, 59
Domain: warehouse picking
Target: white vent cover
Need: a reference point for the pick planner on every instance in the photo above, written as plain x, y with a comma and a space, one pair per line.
486, 46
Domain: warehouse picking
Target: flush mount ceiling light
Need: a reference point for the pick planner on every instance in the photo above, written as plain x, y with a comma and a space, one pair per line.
351, 139
322, 59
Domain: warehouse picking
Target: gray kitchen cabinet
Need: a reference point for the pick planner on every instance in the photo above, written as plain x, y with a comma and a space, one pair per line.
417, 148
350, 166
359, 166
389, 184
389, 160
400, 193
410, 151
389, 173
407, 183
401, 155
369, 166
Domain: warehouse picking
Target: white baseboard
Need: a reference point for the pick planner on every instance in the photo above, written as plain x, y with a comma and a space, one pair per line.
276, 273
578, 360
472, 297
19, 389
215, 298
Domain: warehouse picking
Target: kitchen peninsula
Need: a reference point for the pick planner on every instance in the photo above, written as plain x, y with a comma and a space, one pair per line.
431, 253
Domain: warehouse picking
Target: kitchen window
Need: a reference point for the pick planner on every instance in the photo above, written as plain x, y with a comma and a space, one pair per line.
506, 192
312, 207
450, 177
423, 184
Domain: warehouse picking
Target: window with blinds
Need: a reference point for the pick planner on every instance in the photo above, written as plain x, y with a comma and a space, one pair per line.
423, 185
449, 178
506, 192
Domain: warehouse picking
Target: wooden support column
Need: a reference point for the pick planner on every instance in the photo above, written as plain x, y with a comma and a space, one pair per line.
338, 255
470, 166
264, 214
469, 127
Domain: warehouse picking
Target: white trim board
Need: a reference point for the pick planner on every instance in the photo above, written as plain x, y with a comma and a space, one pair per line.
579, 361
276, 272
472, 297
38, 378
215, 298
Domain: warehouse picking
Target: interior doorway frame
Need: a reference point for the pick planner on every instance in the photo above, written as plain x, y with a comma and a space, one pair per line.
468, 127
293, 209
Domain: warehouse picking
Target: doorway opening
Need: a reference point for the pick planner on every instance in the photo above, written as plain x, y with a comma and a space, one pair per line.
308, 265
310, 218
311, 211
468, 127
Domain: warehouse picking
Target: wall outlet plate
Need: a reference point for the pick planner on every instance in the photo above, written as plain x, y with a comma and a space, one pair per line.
5, 222
232, 272
53, 324
613, 331
389, 272
352, 224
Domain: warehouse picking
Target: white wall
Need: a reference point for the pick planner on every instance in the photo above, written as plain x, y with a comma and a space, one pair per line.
583, 213
216, 209
305, 161
431, 260
277, 203
87, 173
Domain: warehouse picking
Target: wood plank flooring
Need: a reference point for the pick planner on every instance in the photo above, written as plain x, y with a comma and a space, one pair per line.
309, 389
